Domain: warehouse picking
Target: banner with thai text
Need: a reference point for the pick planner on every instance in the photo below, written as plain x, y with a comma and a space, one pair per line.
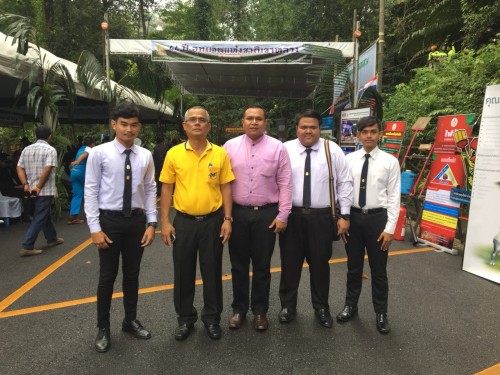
482, 247
199, 51
393, 137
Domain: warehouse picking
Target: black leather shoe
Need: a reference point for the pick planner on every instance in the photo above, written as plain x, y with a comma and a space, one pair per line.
287, 314
324, 317
103, 340
383, 325
135, 328
183, 330
347, 313
213, 331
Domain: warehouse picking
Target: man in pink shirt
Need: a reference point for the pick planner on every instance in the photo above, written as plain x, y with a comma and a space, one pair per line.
262, 200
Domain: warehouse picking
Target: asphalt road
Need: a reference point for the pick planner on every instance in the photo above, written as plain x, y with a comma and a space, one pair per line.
444, 320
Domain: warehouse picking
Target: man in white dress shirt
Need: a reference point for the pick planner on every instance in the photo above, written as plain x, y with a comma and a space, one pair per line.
309, 231
374, 213
120, 204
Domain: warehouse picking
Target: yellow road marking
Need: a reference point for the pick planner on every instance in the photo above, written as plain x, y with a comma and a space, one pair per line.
494, 370
41, 276
29, 285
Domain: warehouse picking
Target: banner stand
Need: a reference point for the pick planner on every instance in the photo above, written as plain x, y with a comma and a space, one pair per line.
439, 247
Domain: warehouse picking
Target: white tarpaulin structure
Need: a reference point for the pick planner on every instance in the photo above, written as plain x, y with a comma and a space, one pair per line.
249, 69
14, 66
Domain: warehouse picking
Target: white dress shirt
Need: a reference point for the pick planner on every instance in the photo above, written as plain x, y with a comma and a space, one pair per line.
383, 185
320, 189
104, 181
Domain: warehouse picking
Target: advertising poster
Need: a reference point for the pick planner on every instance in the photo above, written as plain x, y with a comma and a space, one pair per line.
326, 127
444, 142
482, 248
440, 213
393, 137
348, 121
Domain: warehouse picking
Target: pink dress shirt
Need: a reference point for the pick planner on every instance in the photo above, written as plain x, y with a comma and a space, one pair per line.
263, 173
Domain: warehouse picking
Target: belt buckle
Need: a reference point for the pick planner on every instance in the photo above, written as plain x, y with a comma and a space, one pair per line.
306, 210
199, 218
364, 211
255, 208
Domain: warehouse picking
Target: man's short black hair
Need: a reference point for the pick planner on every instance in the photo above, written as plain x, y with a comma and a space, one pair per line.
368, 121
255, 106
42, 132
88, 141
308, 113
126, 110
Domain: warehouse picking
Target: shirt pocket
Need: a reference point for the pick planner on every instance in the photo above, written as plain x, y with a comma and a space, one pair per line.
213, 174
269, 168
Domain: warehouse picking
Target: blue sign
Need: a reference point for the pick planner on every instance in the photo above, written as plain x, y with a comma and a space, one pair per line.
327, 123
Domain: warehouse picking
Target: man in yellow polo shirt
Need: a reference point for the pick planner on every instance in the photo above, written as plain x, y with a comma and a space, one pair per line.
201, 172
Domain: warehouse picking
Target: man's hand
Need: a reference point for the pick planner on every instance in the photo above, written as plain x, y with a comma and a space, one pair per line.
149, 236
166, 232
278, 225
343, 229
386, 239
225, 231
100, 239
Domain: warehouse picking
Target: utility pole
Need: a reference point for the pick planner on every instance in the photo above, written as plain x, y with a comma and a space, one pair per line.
357, 34
104, 27
381, 42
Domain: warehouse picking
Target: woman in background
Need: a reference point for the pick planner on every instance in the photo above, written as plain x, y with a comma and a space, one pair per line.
78, 180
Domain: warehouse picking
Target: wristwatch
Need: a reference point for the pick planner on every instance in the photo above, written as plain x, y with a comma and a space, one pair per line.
153, 224
228, 218
346, 217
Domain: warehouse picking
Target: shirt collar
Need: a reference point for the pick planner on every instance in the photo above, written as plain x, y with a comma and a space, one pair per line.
121, 148
187, 146
373, 153
314, 147
250, 141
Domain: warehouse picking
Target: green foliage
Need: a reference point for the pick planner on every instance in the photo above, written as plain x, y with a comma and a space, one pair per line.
455, 86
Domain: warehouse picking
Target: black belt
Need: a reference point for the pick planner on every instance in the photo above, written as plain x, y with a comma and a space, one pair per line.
269, 205
368, 211
134, 212
200, 217
311, 211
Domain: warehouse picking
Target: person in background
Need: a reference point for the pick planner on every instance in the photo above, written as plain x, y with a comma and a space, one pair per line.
262, 200
120, 204
36, 171
77, 176
159, 154
375, 210
10, 186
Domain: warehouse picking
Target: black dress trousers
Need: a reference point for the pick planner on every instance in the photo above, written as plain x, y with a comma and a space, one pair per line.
126, 234
307, 237
195, 238
251, 241
363, 233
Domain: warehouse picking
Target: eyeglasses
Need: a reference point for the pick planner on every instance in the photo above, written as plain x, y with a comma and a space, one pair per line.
200, 120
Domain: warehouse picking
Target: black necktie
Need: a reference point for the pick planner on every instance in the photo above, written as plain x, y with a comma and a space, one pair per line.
362, 184
306, 199
127, 189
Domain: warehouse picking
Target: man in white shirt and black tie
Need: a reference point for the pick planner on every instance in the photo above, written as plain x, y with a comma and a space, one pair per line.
120, 204
377, 192
309, 231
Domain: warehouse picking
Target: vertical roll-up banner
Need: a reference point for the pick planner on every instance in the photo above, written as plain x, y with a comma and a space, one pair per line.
482, 248
440, 213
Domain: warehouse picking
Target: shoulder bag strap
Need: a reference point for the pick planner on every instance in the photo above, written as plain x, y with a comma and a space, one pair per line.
331, 180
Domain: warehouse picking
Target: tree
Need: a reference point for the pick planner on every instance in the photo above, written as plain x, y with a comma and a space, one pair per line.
47, 83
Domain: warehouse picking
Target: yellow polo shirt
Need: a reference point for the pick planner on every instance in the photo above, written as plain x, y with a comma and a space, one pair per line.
197, 179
